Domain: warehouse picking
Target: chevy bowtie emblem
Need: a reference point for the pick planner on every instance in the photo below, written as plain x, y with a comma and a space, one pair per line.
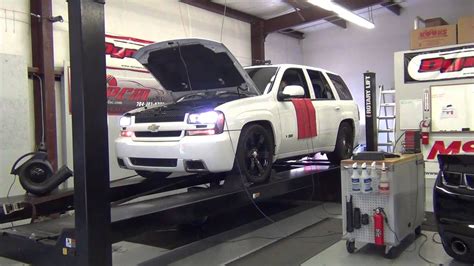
153, 128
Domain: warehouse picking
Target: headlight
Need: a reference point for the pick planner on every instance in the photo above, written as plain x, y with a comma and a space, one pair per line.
215, 118
204, 118
125, 121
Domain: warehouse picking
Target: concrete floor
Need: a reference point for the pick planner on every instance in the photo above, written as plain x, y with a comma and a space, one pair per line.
228, 246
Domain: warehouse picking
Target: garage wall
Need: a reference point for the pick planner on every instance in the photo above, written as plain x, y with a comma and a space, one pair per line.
281, 49
352, 51
144, 19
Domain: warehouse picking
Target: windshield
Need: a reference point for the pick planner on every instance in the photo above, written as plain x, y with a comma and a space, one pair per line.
226, 94
262, 76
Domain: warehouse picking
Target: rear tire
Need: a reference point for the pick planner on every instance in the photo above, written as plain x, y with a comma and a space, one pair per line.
344, 144
254, 156
153, 175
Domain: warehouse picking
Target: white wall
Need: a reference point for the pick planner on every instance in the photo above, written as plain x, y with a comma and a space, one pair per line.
281, 49
146, 19
352, 51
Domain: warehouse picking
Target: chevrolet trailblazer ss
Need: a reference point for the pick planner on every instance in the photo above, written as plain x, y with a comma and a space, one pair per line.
225, 117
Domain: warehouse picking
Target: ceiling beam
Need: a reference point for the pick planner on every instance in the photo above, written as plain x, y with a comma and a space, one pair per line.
310, 15
219, 9
303, 4
393, 6
232, 13
338, 22
293, 33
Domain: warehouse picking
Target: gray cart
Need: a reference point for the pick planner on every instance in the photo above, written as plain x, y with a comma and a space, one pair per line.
403, 203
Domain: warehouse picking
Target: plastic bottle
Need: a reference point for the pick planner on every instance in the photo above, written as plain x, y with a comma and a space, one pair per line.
384, 184
366, 179
355, 179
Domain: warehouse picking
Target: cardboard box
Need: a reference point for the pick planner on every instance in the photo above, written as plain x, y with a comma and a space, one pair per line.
434, 22
466, 30
433, 37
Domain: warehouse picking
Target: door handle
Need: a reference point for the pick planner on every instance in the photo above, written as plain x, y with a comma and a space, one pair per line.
337, 108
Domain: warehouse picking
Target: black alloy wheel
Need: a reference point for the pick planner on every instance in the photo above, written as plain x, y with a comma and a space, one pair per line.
254, 157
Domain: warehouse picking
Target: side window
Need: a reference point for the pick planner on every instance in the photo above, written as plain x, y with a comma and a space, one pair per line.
294, 76
321, 87
341, 88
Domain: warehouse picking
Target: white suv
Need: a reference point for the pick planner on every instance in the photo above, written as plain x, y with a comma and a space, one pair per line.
224, 117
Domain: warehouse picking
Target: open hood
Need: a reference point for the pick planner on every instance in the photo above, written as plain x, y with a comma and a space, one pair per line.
193, 64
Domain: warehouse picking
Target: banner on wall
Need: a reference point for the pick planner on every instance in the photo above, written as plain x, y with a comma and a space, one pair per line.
129, 84
119, 51
128, 93
444, 64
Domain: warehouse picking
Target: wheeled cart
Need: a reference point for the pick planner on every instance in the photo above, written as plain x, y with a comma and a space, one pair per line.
383, 203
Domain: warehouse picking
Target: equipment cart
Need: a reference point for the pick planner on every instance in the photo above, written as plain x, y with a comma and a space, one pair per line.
382, 201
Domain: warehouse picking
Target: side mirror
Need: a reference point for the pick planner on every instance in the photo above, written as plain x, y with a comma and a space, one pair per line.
292, 91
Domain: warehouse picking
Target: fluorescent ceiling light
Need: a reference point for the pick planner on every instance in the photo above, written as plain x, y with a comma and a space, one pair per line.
343, 13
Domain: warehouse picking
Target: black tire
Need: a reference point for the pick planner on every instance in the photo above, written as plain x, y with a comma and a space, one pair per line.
254, 156
153, 175
350, 246
344, 144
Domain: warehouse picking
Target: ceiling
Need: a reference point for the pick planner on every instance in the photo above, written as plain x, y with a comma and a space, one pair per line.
290, 17
265, 9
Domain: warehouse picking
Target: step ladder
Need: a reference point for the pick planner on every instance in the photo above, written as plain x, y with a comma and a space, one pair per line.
386, 119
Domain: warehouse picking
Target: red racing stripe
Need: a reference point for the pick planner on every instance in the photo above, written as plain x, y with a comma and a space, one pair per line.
305, 118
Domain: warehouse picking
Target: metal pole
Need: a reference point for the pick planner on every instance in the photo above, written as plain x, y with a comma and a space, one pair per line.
90, 140
370, 112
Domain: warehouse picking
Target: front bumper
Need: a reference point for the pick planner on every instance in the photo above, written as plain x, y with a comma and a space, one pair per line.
216, 152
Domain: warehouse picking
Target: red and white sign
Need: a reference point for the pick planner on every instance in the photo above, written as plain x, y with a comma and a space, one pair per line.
119, 52
449, 147
440, 65
125, 94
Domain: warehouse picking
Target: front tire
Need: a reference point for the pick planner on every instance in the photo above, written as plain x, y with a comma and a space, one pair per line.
254, 156
344, 144
153, 175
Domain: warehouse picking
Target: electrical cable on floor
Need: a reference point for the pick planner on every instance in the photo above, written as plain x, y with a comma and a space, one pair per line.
242, 177
421, 256
436, 241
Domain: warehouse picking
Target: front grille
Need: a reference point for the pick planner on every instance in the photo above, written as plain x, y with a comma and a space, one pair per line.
150, 118
159, 134
154, 162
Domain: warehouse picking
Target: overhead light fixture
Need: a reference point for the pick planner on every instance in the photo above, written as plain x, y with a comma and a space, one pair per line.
343, 13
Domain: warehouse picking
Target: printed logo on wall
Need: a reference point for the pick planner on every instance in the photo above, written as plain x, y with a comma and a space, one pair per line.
128, 93
129, 84
453, 147
453, 63
119, 51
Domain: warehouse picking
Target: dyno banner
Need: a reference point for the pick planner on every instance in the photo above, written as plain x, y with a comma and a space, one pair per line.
432, 65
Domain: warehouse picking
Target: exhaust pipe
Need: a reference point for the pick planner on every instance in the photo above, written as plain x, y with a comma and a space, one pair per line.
459, 247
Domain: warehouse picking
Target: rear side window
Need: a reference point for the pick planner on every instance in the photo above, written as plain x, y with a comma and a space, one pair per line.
341, 88
294, 76
321, 87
